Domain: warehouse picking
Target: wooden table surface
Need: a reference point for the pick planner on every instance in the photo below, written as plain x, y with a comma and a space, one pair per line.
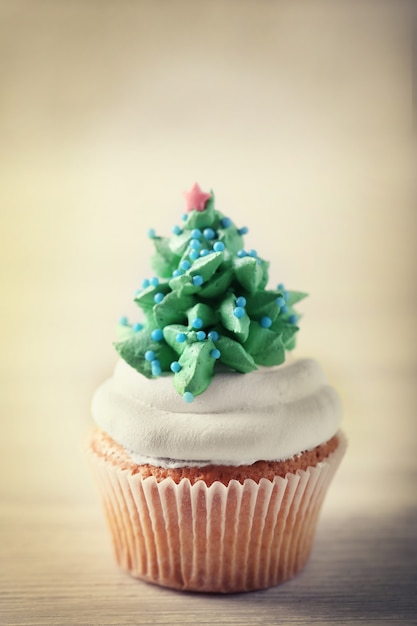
298, 115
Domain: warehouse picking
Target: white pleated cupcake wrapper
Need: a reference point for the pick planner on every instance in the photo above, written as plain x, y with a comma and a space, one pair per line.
215, 539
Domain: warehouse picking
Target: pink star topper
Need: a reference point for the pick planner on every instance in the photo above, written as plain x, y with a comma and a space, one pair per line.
196, 199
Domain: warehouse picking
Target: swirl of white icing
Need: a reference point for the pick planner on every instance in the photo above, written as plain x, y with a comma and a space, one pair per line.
270, 414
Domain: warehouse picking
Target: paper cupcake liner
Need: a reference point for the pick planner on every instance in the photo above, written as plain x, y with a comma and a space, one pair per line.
222, 539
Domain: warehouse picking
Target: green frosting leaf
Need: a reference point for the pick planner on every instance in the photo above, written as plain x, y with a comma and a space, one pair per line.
204, 312
146, 298
183, 285
295, 296
172, 309
249, 273
265, 346
164, 258
263, 303
178, 243
234, 355
170, 335
206, 266
197, 366
133, 351
238, 326
217, 285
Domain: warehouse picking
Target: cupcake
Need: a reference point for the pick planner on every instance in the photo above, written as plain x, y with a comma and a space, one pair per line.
212, 451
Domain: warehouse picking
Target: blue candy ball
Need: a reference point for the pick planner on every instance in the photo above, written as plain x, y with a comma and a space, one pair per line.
198, 280
157, 334
265, 322
239, 312
156, 368
209, 233
197, 323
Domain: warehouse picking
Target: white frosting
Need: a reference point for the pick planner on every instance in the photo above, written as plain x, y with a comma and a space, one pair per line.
270, 414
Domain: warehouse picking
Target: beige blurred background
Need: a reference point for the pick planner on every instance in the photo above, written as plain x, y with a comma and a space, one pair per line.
297, 114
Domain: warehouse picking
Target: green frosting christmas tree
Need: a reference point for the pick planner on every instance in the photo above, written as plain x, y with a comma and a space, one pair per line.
208, 309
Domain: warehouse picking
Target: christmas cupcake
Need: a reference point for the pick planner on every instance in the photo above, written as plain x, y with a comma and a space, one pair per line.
212, 454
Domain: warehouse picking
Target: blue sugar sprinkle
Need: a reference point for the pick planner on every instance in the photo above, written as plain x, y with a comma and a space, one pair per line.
253, 253
197, 323
204, 252
124, 320
137, 327
209, 233
218, 246
280, 301
280, 287
145, 283
241, 301
213, 335
180, 338
201, 335
156, 367
284, 309
185, 265
154, 281
239, 312
158, 297
177, 273
198, 280
157, 334
184, 217
243, 231
215, 353
176, 230
151, 233
241, 253
196, 233
226, 222
175, 367
195, 244
188, 396
293, 319
194, 254
265, 322
149, 355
